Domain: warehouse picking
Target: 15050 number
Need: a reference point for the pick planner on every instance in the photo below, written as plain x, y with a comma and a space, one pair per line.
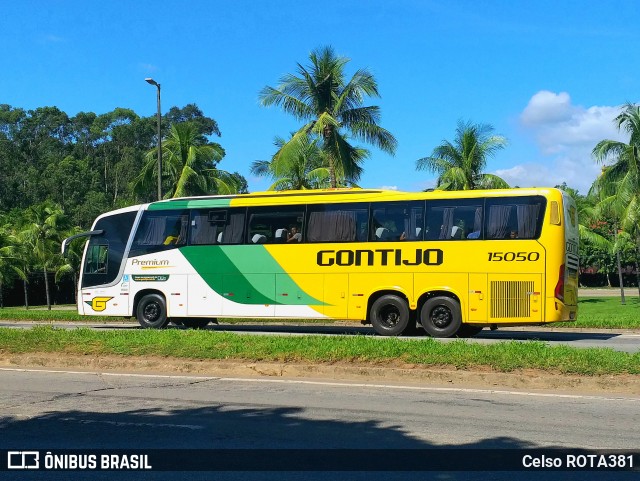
513, 256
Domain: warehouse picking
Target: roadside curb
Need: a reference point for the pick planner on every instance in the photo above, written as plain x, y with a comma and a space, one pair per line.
408, 375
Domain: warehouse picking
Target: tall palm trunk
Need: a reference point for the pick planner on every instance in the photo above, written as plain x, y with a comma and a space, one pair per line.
46, 287
26, 294
615, 239
332, 173
327, 134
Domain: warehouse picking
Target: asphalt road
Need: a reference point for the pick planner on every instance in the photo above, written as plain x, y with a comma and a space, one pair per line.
57, 410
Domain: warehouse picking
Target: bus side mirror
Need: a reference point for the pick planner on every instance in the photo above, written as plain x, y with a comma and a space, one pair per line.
67, 241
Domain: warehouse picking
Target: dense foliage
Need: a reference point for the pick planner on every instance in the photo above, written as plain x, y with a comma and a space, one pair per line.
58, 173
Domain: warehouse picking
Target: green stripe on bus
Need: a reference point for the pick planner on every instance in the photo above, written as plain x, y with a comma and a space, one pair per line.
190, 204
246, 275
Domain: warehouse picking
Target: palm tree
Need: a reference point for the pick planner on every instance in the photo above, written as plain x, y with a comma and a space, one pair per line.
9, 261
42, 236
460, 164
619, 183
300, 167
621, 179
188, 165
71, 262
331, 106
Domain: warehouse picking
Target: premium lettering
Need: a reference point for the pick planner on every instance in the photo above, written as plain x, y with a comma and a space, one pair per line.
381, 257
152, 262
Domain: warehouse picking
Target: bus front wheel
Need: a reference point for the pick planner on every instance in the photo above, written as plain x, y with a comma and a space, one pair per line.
440, 316
389, 315
152, 312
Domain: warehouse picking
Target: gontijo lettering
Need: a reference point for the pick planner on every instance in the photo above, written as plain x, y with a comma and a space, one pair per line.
382, 257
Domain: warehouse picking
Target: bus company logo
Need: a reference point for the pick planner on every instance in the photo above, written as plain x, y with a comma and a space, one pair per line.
381, 257
572, 248
150, 264
98, 304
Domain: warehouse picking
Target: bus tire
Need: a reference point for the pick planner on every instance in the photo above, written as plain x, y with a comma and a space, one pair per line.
152, 312
389, 315
195, 322
468, 330
440, 316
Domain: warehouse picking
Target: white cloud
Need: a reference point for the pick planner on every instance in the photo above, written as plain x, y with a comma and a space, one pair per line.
545, 107
565, 134
389, 187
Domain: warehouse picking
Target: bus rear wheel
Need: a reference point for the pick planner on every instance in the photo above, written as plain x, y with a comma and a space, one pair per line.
440, 316
152, 312
389, 315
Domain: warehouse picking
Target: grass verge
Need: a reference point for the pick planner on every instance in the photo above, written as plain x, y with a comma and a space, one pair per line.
593, 312
184, 344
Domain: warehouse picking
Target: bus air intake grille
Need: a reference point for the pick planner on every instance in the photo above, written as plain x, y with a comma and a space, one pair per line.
511, 299
573, 262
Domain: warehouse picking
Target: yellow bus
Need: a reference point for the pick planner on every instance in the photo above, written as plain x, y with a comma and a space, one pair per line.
451, 262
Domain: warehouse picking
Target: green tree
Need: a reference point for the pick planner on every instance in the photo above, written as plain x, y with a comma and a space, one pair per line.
460, 164
188, 166
618, 187
304, 170
192, 113
333, 110
10, 266
70, 265
43, 232
589, 221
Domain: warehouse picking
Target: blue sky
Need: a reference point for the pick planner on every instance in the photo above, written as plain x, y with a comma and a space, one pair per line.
548, 75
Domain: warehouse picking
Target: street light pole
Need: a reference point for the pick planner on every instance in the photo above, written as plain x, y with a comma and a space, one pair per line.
159, 118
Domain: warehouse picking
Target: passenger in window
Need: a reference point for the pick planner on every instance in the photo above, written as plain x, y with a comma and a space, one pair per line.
172, 238
403, 234
513, 234
294, 235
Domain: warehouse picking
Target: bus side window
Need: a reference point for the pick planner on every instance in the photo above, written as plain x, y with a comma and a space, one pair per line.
274, 225
160, 230
515, 217
455, 219
338, 223
396, 221
207, 226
